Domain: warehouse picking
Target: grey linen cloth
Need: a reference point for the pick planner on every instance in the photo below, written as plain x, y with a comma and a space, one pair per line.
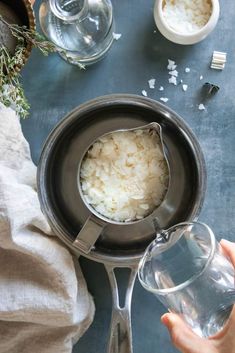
44, 303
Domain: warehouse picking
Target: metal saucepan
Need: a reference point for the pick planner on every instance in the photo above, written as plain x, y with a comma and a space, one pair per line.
118, 245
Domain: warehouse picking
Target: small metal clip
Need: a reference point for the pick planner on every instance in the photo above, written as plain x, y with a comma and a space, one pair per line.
211, 88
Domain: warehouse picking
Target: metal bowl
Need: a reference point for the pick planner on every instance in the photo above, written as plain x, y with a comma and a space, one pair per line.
17, 12
58, 168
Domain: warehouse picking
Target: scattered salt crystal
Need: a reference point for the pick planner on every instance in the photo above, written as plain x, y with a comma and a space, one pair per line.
155, 31
164, 99
201, 107
161, 88
116, 36
152, 82
171, 65
201, 77
173, 73
187, 70
185, 87
144, 93
181, 81
173, 80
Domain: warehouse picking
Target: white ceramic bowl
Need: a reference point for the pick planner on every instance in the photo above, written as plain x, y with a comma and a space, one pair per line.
185, 38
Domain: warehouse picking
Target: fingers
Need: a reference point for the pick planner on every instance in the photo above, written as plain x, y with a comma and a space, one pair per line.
229, 249
226, 336
183, 337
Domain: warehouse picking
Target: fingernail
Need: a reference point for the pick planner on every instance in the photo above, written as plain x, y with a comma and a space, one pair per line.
226, 241
168, 320
165, 319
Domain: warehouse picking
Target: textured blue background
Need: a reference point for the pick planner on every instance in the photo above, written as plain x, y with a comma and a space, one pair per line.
54, 87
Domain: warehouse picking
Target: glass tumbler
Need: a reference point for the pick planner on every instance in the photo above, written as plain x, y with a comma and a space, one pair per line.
186, 269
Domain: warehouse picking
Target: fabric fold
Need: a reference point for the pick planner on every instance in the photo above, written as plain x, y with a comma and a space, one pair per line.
44, 303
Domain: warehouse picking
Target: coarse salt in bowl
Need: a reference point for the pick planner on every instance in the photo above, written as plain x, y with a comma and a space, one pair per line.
186, 21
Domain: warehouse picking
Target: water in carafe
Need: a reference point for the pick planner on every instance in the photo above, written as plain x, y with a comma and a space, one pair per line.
81, 29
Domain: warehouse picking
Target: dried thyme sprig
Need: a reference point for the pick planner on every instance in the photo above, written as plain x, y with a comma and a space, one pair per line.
22, 34
11, 91
25, 35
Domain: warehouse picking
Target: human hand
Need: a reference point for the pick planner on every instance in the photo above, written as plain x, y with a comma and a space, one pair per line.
187, 341
32, 1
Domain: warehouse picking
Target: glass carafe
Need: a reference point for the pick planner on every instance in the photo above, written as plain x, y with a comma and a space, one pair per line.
82, 30
189, 273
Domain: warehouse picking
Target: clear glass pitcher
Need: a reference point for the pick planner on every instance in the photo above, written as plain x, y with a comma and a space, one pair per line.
188, 272
81, 29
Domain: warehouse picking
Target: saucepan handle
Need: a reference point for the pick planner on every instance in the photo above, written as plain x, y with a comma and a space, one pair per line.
120, 337
89, 233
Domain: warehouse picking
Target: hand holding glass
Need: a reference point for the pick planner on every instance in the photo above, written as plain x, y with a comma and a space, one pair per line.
187, 271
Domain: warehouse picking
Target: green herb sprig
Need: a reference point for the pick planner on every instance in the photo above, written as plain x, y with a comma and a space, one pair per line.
11, 90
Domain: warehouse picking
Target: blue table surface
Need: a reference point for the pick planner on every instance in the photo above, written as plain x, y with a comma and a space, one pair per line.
54, 87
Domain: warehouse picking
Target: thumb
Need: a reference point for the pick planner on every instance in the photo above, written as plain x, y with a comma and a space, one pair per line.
229, 249
182, 336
